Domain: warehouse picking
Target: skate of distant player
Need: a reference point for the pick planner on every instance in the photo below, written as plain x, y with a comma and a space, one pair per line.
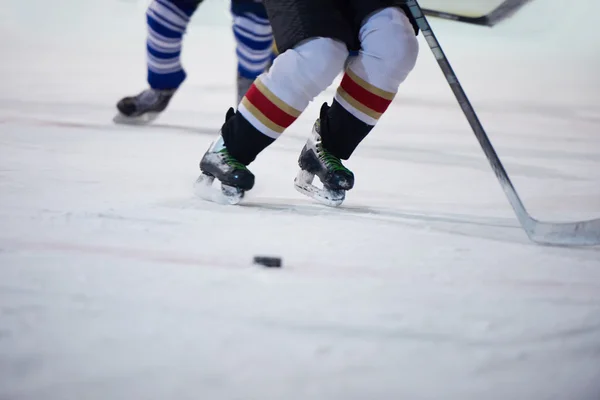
314, 38
167, 22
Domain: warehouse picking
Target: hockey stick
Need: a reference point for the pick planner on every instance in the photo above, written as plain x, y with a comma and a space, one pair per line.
503, 11
482, 20
559, 233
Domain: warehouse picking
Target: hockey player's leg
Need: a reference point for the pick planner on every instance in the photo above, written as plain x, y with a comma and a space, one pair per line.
388, 53
254, 42
272, 103
167, 22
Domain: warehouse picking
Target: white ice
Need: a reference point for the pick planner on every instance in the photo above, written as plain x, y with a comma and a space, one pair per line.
116, 282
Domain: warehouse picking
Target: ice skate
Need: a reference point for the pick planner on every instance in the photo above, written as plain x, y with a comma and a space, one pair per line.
143, 108
234, 177
218, 164
316, 160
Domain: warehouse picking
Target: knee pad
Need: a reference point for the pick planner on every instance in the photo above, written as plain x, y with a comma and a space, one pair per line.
389, 49
298, 75
278, 97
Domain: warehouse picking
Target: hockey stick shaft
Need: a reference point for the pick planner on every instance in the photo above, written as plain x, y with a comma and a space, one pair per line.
469, 112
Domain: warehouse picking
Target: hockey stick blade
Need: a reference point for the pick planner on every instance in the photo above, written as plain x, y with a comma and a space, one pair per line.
502, 12
581, 233
483, 20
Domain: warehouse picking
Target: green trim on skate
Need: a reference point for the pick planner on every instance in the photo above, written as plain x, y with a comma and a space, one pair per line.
232, 161
332, 162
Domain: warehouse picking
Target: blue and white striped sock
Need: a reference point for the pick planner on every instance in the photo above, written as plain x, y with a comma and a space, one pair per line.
167, 22
254, 39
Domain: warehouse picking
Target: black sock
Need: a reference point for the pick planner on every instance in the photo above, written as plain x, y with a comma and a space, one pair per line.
242, 140
341, 132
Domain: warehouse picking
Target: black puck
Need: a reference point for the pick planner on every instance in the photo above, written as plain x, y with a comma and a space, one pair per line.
271, 262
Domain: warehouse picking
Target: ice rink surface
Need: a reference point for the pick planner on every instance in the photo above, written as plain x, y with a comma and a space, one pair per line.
116, 282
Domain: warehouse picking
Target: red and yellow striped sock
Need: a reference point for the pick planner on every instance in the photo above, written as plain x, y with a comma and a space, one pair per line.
362, 99
266, 112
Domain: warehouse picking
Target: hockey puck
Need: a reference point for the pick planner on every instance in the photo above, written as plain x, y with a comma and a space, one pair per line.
271, 262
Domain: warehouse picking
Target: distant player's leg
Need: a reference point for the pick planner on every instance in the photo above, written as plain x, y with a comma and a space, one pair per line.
167, 22
311, 35
254, 42
388, 53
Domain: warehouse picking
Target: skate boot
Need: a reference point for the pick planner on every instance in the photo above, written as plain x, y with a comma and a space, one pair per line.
144, 107
234, 177
316, 160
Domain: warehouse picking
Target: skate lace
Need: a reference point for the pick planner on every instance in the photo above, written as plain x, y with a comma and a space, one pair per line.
330, 160
230, 160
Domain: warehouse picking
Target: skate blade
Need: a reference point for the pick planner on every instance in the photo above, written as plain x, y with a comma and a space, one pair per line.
227, 195
331, 198
140, 120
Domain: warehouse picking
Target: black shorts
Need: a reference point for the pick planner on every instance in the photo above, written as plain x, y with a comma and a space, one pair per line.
187, 4
294, 21
239, 7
